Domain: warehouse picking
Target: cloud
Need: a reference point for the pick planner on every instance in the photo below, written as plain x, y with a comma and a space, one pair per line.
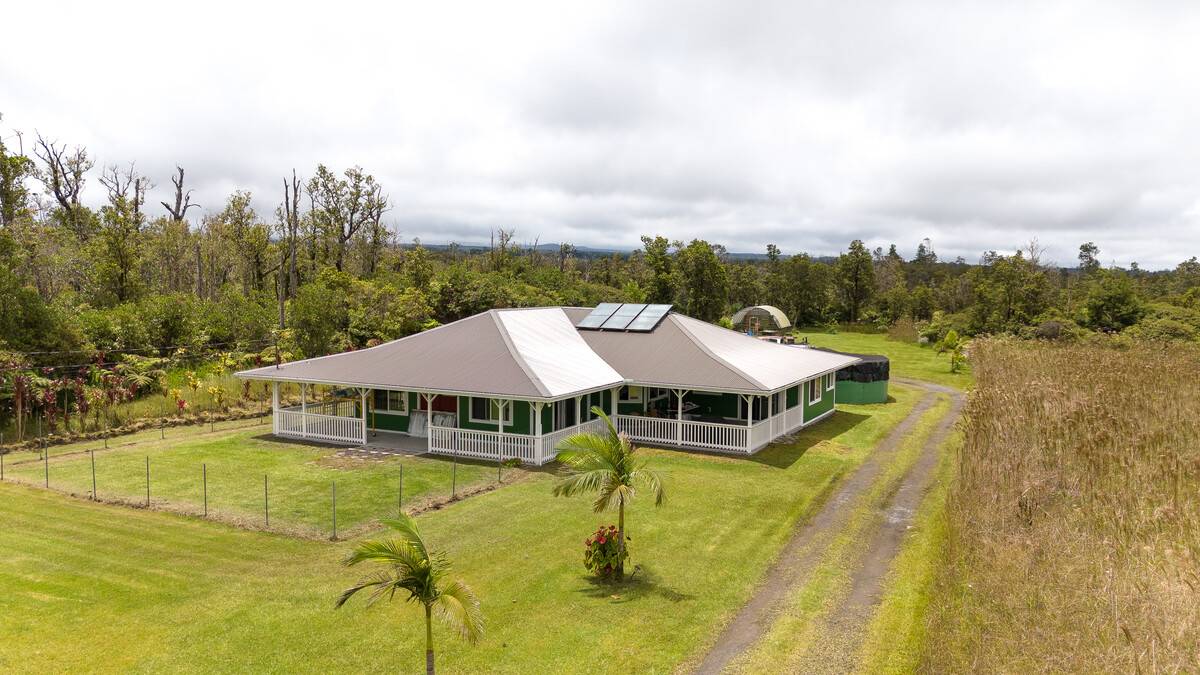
803, 124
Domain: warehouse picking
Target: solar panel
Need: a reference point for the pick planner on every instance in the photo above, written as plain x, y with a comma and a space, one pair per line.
621, 318
599, 315
649, 318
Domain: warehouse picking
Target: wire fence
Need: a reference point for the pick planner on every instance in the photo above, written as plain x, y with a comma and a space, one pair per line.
316, 495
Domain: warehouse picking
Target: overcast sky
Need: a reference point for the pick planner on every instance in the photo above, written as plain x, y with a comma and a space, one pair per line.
805, 124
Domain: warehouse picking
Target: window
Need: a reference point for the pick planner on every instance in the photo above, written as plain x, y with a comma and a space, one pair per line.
391, 401
487, 410
760, 408
777, 402
829, 381
814, 391
631, 394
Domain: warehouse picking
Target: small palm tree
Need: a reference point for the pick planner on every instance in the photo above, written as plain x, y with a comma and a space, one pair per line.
413, 568
605, 463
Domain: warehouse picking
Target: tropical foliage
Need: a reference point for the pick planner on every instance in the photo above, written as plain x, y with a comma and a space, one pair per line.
420, 576
606, 464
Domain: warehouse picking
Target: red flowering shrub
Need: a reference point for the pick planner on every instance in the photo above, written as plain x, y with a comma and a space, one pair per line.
602, 552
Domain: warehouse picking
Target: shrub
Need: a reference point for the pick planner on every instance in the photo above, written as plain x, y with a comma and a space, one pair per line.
602, 551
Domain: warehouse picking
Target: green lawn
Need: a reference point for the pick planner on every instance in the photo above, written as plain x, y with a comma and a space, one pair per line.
907, 359
90, 586
300, 477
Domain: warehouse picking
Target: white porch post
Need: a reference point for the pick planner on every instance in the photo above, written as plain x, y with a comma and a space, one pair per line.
678, 415
275, 407
363, 393
771, 412
428, 422
539, 450
614, 395
749, 422
501, 406
578, 411
304, 410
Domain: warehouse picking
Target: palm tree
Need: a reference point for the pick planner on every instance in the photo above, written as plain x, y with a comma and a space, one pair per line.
413, 568
605, 464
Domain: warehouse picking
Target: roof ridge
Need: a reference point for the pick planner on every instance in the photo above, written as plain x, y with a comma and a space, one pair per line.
512, 349
713, 355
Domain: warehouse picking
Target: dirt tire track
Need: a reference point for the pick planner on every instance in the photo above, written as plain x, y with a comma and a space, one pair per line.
841, 632
802, 553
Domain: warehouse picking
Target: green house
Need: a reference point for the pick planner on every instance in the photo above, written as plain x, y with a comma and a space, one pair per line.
513, 383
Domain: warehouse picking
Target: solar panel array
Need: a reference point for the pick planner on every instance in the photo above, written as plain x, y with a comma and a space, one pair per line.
634, 317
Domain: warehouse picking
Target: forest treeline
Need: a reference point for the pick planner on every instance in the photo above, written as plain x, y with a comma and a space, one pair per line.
323, 273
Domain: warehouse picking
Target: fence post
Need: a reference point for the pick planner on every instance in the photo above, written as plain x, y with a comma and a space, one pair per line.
266, 502
204, 478
454, 474
46, 462
92, 453
147, 481
334, 537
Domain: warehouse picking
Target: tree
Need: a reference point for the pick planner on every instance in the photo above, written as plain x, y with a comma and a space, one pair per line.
1008, 292
805, 290
183, 200
1089, 257
657, 254
1112, 303
14, 197
341, 207
63, 178
703, 286
410, 567
855, 278
607, 465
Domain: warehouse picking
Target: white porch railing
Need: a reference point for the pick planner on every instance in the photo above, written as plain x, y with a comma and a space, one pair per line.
481, 444
733, 437
493, 445
550, 441
312, 426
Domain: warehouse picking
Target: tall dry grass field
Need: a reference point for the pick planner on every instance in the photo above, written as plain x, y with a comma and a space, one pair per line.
1075, 518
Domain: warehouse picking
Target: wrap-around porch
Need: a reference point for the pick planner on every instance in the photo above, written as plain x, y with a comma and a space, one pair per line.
530, 431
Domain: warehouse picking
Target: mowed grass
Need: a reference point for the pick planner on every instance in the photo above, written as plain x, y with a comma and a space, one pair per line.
299, 478
98, 587
906, 358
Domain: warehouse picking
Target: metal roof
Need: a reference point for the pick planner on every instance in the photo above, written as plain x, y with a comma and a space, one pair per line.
540, 354
520, 353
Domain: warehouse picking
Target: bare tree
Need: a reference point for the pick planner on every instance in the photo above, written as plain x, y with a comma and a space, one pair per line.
119, 185
291, 221
1034, 250
183, 200
63, 176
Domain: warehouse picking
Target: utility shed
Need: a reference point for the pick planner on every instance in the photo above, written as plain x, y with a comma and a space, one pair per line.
760, 320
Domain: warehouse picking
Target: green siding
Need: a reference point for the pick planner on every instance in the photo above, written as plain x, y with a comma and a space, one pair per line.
814, 410
849, 391
520, 418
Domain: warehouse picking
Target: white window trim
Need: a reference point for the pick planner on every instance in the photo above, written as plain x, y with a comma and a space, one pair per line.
830, 380
820, 393
492, 403
388, 400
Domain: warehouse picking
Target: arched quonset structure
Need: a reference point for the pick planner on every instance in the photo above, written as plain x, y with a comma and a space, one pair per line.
760, 319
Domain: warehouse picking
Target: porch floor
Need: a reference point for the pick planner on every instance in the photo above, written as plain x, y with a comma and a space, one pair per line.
393, 443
